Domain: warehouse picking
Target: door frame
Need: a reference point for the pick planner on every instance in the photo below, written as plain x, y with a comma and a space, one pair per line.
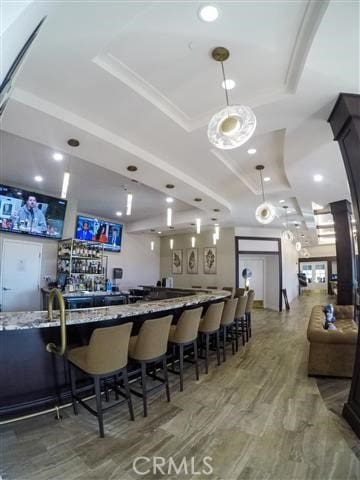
263, 252
10, 241
329, 261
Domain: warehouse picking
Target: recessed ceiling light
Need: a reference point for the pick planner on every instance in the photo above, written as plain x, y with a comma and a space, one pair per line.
318, 178
197, 199
169, 200
169, 185
119, 214
192, 224
213, 219
281, 201
267, 179
228, 84
38, 178
58, 156
216, 209
171, 228
208, 13
302, 235
73, 142
152, 230
251, 151
134, 180
131, 168
159, 233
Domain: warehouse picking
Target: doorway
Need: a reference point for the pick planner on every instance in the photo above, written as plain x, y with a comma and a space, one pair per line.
316, 275
20, 276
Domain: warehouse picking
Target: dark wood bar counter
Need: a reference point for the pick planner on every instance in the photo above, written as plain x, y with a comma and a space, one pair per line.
33, 379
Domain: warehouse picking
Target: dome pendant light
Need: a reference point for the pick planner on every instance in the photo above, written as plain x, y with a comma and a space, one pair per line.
287, 234
265, 212
235, 124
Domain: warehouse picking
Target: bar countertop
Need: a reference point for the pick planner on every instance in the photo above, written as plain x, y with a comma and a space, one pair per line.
39, 319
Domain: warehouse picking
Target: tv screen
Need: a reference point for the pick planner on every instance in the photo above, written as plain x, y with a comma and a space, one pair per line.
22, 211
95, 229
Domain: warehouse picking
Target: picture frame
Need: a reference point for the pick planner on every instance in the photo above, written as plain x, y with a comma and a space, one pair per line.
177, 262
192, 260
210, 260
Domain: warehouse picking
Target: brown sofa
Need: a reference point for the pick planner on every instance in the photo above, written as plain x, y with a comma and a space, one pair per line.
332, 352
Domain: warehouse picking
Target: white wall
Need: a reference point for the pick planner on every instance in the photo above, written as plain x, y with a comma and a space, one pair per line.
290, 260
225, 248
322, 251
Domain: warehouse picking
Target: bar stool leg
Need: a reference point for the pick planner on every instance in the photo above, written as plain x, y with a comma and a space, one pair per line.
196, 360
128, 394
181, 366
98, 406
249, 322
218, 346
236, 334
73, 389
232, 339
143, 386
206, 352
224, 339
166, 377
173, 356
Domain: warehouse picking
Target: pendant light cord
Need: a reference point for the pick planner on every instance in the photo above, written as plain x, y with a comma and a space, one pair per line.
262, 186
226, 90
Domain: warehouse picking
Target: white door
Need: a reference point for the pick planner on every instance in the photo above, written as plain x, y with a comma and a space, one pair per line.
20, 276
257, 279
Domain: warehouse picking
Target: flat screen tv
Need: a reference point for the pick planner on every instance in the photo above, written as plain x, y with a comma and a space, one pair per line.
30, 213
98, 230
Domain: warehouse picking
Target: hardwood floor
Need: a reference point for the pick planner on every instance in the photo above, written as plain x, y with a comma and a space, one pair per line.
258, 416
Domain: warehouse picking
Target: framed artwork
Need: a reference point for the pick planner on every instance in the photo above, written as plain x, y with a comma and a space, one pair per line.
177, 261
210, 260
192, 260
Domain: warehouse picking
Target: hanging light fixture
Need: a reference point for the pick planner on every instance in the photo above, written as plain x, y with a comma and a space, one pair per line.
171, 243
287, 234
193, 240
129, 203
169, 217
152, 245
198, 225
214, 238
298, 246
217, 232
233, 125
265, 212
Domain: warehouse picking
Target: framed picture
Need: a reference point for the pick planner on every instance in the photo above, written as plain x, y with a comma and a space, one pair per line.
192, 260
210, 260
177, 261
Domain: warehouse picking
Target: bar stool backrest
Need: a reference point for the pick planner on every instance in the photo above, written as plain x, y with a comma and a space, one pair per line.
152, 338
228, 314
188, 326
241, 306
229, 289
212, 317
239, 292
108, 349
250, 301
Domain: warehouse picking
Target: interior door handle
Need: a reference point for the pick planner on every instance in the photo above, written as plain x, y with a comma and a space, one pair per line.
6, 289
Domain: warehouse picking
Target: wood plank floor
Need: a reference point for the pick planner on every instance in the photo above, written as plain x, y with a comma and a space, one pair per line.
258, 416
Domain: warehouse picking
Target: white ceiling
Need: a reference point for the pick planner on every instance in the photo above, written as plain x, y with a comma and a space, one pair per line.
135, 83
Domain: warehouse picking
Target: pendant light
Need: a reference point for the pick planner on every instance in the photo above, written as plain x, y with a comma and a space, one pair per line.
298, 246
265, 212
287, 234
234, 125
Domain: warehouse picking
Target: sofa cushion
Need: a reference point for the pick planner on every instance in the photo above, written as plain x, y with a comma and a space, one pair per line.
346, 328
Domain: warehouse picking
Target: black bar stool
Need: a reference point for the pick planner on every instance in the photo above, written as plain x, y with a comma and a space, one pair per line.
184, 334
227, 324
105, 357
149, 347
209, 327
240, 321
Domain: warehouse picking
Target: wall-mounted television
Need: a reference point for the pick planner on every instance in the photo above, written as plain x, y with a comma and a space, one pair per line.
98, 230
31, 213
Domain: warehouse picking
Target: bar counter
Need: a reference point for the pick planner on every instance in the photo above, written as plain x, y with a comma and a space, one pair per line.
33, 379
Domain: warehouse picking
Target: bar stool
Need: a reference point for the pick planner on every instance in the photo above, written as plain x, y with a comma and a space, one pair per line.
227, 324
105, 356
150, 346
229, 289
240, 322
184, 334
248, 310
209, 326
239, 292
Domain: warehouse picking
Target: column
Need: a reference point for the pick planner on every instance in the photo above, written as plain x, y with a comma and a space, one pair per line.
345, 124
345, 253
